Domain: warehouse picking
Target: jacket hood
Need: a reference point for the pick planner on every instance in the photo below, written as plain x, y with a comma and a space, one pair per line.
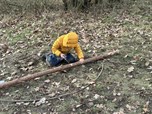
70, 39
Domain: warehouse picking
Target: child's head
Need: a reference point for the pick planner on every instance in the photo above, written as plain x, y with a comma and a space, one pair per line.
70, 39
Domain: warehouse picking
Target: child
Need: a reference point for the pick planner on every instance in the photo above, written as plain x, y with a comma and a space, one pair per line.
61, 50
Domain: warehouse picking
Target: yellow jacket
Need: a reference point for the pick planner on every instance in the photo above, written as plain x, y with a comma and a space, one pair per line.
65, 43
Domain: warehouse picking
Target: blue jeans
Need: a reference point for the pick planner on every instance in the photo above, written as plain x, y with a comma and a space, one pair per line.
57, 60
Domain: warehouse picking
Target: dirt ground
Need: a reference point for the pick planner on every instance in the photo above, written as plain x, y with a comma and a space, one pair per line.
125, 85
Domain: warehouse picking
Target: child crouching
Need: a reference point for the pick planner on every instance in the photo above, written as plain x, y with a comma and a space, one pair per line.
61, 50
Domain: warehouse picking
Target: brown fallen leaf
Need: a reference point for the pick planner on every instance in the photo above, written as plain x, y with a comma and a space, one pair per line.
3, 48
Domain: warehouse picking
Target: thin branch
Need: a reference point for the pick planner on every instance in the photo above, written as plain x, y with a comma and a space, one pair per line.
60, 96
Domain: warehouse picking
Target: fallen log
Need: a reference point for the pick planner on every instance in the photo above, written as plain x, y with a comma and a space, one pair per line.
55, 69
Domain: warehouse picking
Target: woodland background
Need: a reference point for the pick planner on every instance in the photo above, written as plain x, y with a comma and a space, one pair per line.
29, 27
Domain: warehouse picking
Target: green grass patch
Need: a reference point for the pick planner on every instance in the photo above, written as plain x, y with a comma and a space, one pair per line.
14, 37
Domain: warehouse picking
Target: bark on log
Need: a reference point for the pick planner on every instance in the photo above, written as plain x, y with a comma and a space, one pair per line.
55, 69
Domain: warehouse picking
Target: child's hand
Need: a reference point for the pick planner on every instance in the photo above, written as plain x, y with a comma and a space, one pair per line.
81, 60
63, 56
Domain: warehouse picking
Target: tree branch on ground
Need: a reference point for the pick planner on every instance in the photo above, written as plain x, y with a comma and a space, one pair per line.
55, 69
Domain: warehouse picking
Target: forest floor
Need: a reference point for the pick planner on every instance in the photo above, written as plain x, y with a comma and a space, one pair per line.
125, 85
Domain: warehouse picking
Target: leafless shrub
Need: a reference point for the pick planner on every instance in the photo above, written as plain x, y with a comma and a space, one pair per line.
38, 6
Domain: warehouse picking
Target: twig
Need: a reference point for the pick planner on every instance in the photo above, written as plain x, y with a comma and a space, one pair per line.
57, 97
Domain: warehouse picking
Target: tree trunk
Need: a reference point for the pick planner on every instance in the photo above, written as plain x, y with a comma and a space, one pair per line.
55, 69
